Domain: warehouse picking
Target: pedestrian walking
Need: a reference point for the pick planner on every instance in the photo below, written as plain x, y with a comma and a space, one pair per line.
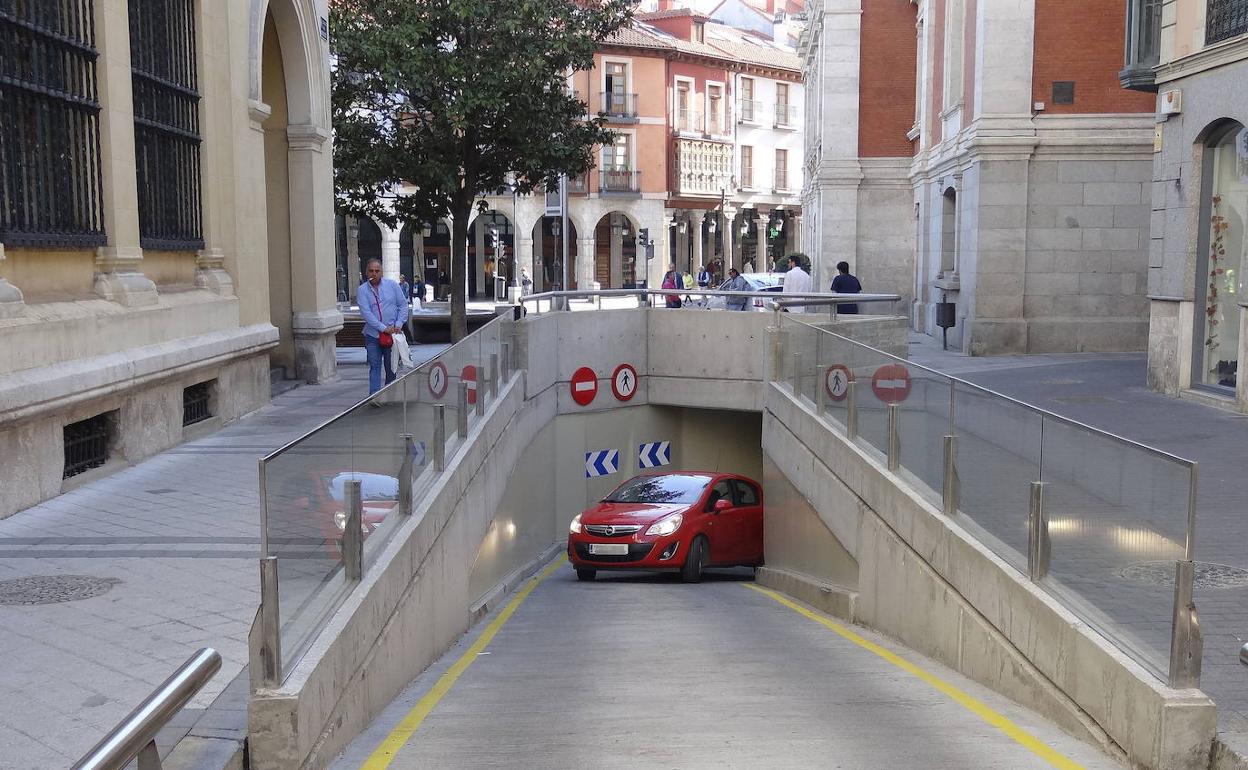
736, 283
405, 287
796, 281
526, 283
672, 279
704, 277
845, 283
418, 292
384, 310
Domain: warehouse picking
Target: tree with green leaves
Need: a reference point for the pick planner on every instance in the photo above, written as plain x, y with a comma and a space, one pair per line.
438, 102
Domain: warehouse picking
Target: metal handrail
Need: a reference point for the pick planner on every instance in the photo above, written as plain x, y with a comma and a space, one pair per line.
135, 736
812, 298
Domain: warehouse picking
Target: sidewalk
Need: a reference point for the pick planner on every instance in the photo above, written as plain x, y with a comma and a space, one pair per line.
168, 551
1108, 391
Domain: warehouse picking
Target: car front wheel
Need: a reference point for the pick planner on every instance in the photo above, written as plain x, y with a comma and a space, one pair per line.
586, 574
691, 572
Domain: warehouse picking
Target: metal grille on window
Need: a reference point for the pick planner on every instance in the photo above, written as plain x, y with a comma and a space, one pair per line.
195, 404
49, 122
1225, 19
166, 123
86, 445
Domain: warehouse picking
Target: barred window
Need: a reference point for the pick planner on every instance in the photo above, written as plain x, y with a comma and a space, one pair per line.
49, 125
166, 123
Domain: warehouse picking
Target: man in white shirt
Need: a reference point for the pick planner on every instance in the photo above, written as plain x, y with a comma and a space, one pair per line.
796, 281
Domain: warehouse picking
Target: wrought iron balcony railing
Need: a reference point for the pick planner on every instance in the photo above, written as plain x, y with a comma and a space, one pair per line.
786, 115
1225, 19
619, 180
749, 110
689, 120
616, 105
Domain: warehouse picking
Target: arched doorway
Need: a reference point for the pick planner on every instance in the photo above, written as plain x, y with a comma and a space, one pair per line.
548, 241
615, 252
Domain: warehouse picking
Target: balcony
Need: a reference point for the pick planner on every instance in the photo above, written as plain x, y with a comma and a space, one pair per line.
1225, 19
619, 107
1143, 46
702, 167
749, 110
689, 121
619, 181
577, 185
786, 116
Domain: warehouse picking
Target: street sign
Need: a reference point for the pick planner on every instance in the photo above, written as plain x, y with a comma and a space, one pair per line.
469, 376
584, 386
891, 383
438, 379
836, 381
604, 462
624, 382
654, 454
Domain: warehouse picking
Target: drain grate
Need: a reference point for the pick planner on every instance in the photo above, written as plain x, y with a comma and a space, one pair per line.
53, 589
1208, 575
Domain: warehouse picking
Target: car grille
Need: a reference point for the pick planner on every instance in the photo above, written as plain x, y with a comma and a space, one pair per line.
636, 552
612, 530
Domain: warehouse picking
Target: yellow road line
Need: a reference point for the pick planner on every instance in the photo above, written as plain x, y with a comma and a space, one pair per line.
389, 748
979, 709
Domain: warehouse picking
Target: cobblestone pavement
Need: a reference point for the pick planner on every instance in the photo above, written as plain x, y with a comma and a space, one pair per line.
175, 539
1108, 391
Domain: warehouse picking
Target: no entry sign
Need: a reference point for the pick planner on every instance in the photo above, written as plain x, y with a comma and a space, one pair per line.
836, 381
470, 377
438, 379
624, 382
584, 386
891, 383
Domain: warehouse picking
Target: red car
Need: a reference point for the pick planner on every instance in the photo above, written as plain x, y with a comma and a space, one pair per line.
301, 501
671, 521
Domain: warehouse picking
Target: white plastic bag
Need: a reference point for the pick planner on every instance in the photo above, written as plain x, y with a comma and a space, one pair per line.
401, 354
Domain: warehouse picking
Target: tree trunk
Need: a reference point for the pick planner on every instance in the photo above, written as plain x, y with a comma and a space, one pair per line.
460, 212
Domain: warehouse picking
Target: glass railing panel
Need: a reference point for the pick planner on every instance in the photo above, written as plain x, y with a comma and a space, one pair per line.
876, 380
923, 424
1117, 523
998, 457
801, 354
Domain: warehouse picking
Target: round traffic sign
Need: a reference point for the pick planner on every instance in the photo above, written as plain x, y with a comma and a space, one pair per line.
584, 386
836, 381
624, 382
469, 376
891, 383
438, 379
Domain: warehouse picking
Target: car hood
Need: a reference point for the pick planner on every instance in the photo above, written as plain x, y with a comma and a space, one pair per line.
630, 513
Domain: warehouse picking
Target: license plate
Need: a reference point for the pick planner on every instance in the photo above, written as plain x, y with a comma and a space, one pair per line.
608, 549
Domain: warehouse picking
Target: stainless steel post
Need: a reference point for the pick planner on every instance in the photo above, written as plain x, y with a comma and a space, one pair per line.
894, 437
405, 474
1039, 547
270, 622
506, 362
851, 410
821, 389
797, 375
949, 492
1189, 544
479, 406
352, 533
493, 375
1186, 641
264, 510
462, 415
439, 437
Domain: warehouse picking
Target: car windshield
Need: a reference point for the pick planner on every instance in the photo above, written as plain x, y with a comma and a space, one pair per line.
659, 489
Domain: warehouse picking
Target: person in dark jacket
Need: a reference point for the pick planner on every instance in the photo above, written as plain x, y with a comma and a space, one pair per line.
844, 283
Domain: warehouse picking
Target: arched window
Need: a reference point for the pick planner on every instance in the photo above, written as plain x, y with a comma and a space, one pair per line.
1222, 256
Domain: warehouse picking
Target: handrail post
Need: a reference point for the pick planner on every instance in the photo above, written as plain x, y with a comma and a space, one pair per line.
352, 533
270, 623
797, 375
439, 437
506, 361
821, 390
851, 410
481, 393
1186, 641
894, 437
461, 417
405, 474
493, 375
1039, 546
949, 490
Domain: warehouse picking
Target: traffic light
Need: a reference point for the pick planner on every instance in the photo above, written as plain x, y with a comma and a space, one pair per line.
643, 236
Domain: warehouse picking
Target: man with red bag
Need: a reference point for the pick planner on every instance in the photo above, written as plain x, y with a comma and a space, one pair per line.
384, 310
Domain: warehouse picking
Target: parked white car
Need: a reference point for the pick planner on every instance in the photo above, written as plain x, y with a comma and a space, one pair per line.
768, 282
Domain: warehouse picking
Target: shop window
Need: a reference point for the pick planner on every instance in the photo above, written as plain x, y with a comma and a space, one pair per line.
1222, 258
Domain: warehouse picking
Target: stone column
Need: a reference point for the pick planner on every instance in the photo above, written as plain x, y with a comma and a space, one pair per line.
695, 232
584, 263
353, 256
118, 264
524, 259
793, 233
12, 304
390, 252
537, 265
764, 259
730, 234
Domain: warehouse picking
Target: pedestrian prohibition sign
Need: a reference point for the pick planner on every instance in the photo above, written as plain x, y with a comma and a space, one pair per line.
891, 383
584, 386
438, 379
836, 381
470, 377
624, 382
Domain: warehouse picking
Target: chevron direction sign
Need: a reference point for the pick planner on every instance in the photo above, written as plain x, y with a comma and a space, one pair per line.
654, 454
601, 463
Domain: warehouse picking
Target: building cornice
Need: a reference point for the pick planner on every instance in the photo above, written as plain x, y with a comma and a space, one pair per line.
1211, 57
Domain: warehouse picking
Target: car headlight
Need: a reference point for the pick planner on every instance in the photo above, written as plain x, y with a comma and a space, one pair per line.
666, 526
575, 526
340, 521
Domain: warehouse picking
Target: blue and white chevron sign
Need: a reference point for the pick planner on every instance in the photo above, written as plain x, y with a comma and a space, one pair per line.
601, 463
654, 454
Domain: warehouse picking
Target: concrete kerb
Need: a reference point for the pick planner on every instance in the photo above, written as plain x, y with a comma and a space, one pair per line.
1069, 673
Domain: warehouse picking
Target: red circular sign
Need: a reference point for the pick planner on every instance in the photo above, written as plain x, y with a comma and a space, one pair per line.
891, 383
624, 382
438, 379
470, 376
836, 381
584, 386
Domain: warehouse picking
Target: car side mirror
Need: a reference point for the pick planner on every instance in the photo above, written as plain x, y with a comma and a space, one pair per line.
722, 505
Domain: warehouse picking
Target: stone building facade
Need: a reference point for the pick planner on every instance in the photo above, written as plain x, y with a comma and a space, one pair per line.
165, 231
1027, 168
1194, 55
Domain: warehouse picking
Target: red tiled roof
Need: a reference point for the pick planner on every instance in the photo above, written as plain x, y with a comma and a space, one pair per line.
672, 13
